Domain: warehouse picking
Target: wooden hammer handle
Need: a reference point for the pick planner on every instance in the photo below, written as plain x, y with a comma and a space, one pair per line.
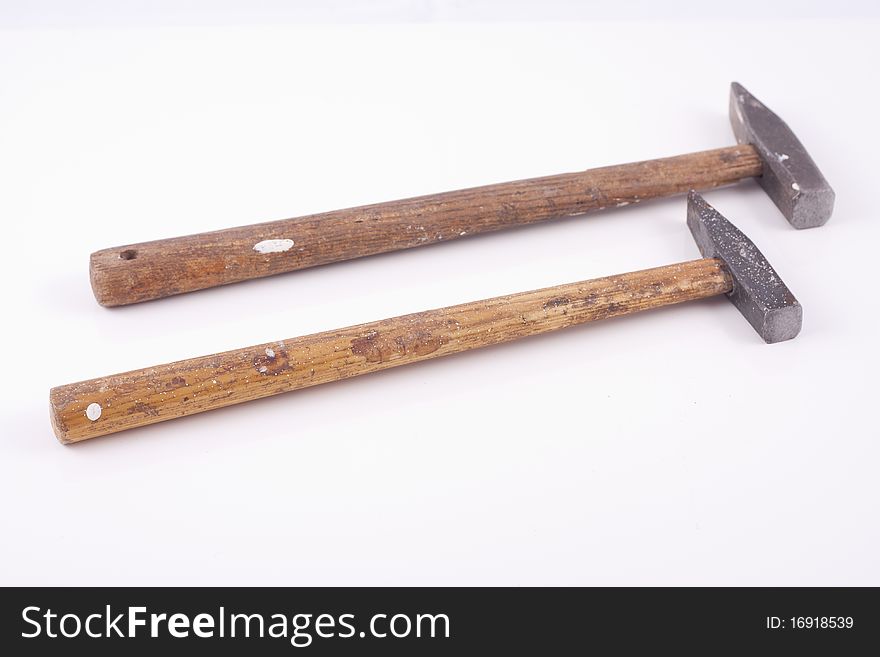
133, 399
152, 270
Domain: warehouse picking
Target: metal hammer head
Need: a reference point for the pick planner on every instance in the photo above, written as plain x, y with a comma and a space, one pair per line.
758, 291
790, 176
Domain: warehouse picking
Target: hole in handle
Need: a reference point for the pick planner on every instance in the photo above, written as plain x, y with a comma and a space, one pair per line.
128, 254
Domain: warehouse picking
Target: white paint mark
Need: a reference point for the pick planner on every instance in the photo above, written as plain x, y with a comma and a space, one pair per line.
270, 352
93, 412
796, 187
622, 203
464, 232
273, 246
263, 369
782, 157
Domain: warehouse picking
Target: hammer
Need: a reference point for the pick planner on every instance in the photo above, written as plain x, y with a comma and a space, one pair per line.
767, 150
731, 265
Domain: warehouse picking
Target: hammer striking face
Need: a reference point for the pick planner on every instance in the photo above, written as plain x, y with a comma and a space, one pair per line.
789, 175
761, 296
732, 266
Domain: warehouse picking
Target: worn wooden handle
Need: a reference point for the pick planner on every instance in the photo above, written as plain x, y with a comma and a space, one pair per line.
133, 399
152, 270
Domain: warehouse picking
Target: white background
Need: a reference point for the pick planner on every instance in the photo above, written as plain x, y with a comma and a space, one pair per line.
671, 447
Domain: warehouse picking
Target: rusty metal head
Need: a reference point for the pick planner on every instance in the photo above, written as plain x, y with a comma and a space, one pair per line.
758, 292
790, 176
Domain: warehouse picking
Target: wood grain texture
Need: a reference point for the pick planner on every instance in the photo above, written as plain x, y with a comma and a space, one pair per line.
152, 270
123, 401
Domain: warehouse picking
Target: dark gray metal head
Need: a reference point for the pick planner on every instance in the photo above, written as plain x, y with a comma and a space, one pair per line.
790, 176
758, 291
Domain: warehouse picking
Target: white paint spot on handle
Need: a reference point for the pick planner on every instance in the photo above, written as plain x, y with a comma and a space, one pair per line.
93, 411
273, 246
